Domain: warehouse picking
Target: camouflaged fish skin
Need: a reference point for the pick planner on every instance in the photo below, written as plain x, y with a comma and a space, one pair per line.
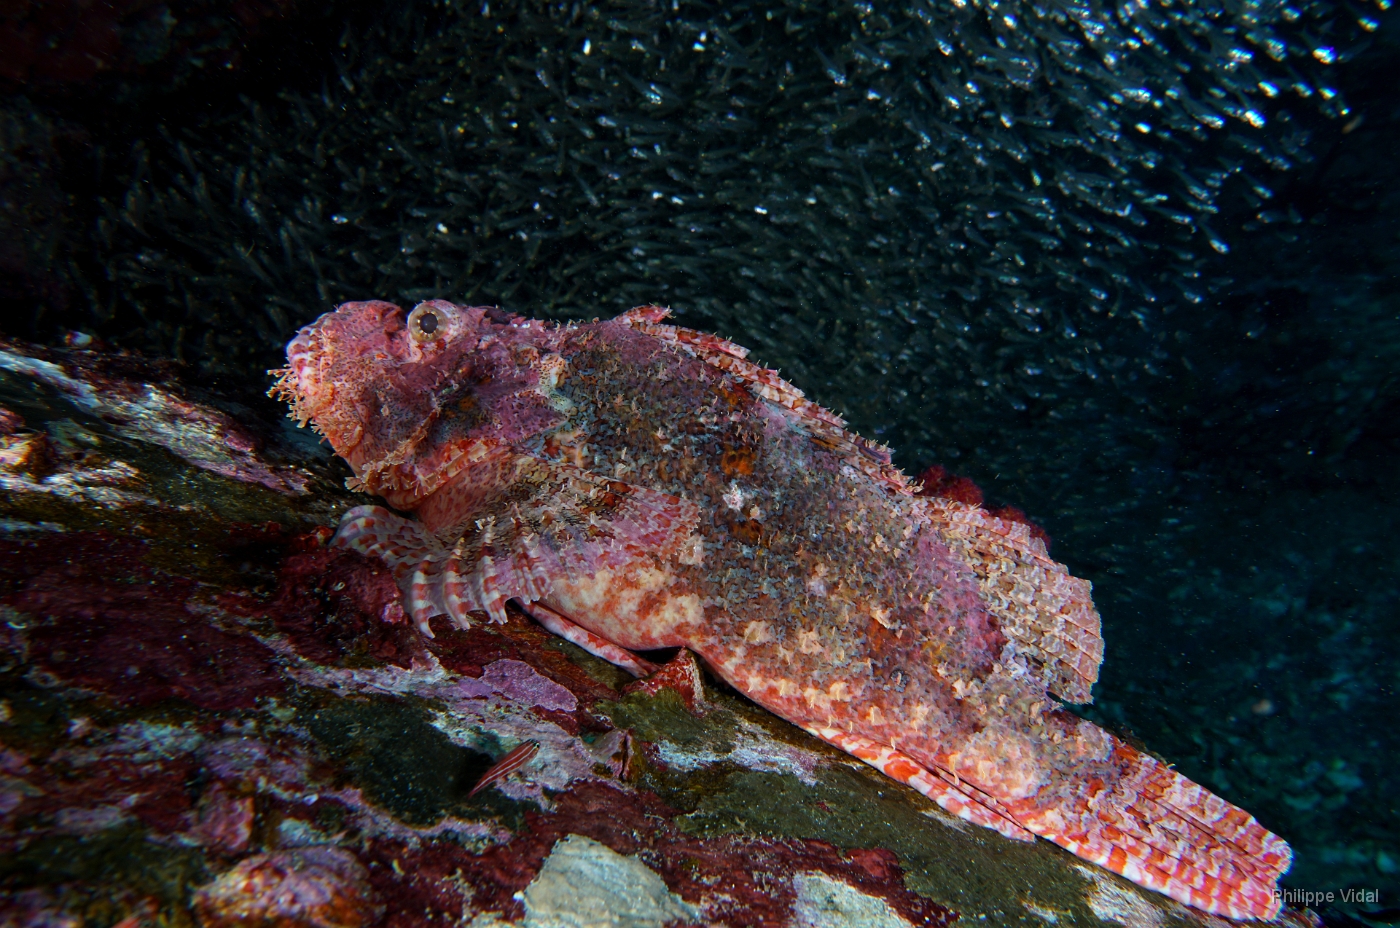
635, 485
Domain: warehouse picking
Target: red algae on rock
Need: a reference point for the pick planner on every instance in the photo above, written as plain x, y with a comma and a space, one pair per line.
737, 880
332, 604
939, 481
225, 822
114, 625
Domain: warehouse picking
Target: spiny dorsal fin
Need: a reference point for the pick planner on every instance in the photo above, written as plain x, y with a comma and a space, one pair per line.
825, 427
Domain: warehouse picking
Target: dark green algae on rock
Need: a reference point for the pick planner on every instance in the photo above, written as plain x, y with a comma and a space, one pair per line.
391, 750
200, 706
980, 875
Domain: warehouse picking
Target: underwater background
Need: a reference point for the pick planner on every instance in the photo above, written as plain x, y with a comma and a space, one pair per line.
1130, 268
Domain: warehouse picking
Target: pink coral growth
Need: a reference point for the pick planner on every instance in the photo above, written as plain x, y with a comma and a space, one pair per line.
312, 887
225, 819
524, 684
939, 481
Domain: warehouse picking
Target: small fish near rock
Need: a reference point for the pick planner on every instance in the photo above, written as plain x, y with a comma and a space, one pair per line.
633, 485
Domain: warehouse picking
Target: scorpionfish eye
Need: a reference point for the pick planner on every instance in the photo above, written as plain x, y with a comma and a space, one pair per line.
427, 322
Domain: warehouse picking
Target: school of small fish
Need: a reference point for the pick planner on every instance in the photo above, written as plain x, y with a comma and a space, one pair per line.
634, 485
1004, 204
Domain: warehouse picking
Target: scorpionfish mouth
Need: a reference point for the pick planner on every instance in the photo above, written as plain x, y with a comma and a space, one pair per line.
328, 364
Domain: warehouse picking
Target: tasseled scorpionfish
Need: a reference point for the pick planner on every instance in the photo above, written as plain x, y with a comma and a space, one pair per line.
633, 485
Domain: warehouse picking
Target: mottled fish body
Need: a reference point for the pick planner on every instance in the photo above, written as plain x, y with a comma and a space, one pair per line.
635, 485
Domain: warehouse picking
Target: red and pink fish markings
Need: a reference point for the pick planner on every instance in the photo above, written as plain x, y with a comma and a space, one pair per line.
635, 485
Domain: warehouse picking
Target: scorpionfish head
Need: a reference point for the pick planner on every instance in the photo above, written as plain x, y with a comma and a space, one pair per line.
401, 397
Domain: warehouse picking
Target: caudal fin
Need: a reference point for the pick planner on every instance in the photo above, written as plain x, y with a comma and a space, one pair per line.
1164, 832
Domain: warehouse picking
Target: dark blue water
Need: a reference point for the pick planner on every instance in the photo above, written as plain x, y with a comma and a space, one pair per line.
1131, 268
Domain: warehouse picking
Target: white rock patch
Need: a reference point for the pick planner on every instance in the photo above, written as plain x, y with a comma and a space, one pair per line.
584, 884
823, 902
1113, 902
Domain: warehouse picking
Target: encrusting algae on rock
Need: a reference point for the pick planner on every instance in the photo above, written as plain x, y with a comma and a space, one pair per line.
633, 486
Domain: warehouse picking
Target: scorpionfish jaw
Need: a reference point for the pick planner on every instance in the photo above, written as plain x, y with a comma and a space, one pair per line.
365, 375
